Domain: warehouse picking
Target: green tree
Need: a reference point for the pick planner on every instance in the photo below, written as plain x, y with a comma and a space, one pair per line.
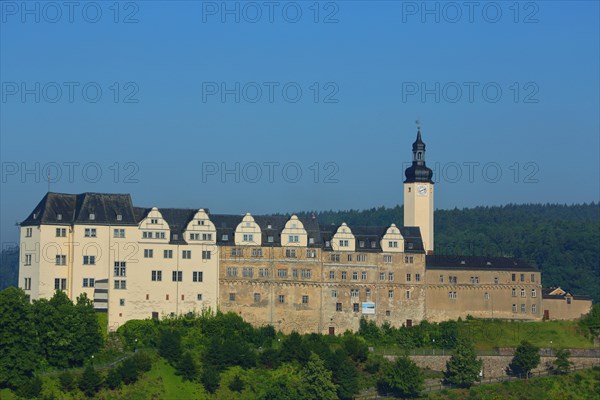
67, 381
463, 367
356, 347
30, 388
316, 380
128, 371
237, 384
590, 323
142, 361
402, 378
344, 374
113, 378
169, 346
293, 348
562, 363
526, 358
187, 368
90, 381
19, 356
210, 379
86, 329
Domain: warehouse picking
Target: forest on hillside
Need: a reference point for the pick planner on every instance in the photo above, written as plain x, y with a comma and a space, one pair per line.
562, 240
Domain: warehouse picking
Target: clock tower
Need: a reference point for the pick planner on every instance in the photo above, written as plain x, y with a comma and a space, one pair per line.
418, 194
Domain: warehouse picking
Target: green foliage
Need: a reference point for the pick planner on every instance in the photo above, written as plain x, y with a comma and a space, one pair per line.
30, 387
19, 356
145, 331
402, 378
344, 374
526, 358
293, 348
356, 347
316, 380
113, 378
90, 381
210, 379
67, 381
590, 323
269, 358
169, 345
463, 368
237, 384
562, 363
187, 368
128, 371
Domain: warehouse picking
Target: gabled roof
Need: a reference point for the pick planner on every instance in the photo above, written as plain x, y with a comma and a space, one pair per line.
559, 294
372, 235
477, 263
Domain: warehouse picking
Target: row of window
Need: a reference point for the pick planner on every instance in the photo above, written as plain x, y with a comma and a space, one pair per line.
176, 276
185, 254
524, 308
280, 298
475, 279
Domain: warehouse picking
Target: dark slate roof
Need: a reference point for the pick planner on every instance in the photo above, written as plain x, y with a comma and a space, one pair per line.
546, 295
477, 263
76, 208
371, 236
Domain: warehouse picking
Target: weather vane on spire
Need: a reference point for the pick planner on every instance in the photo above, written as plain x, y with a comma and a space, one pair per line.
418, 122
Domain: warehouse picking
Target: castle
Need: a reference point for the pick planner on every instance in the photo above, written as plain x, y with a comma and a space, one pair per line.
290, 272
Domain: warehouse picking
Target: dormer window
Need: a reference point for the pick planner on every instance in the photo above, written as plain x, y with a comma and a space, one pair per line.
327, 243
270, 239
35, 215
373, 245
248, 237
175, 236
247, 224
294, 226
201, 222
119, 217
224, 237
92, 216
59, 217
361, 243
154, 221
410, 246
343, 243
311, 240
269, 226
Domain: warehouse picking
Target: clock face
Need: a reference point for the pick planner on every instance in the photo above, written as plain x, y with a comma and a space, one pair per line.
422, 190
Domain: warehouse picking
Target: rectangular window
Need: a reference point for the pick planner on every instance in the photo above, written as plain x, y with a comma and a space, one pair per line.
282, 273
88, 282
349, 257
257, 297
120, 284
513, 277
148, 253
177, 276
231, 271
294, 273
387, 259
257, 253
304, 299
89, 260
248, 237
418, 277
408, 294
343, 243
441, 278
294, 239
408, 277
393, 243
61, 260
361, 243
453, 279
354, 292
118, 233
206, 236
338, 306
363, 275
354, 275
390, 294
335, 257
311, 253
333, 293
168, 254
247, 272
270, 239
197, 276
28, 232
236, 252
409, 259
27, 259
514, 308
522, 292
390, 276
533, 293
186, 254
281, 298
534, 308
486, 296
331, 274
206, 254
90, 232
199, 297
231, 296
452, 295
496, 280
120, 268
513, 292
355, 307
382, 276
344, 275
194, 236
532, 278
290, 253
27, 285
156, 276
361, 257
523, 309
61, 232
522, 277
263, 272
306, 273
60, 284
122, 302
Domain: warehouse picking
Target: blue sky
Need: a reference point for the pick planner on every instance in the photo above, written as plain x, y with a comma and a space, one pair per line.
157, 98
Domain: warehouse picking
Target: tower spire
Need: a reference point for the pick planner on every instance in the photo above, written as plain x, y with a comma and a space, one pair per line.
418, 171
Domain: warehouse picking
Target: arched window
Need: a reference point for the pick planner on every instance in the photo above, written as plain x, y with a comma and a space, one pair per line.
419, 155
